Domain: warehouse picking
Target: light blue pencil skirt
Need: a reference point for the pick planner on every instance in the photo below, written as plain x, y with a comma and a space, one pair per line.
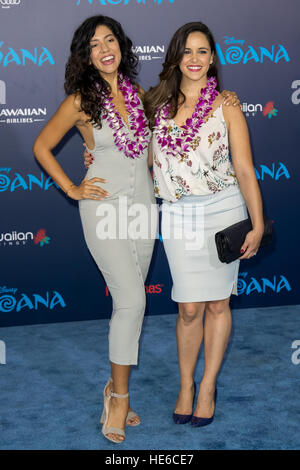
188, 231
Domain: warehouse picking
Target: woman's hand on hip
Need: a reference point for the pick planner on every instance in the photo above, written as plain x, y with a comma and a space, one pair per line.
251, 244
88, 190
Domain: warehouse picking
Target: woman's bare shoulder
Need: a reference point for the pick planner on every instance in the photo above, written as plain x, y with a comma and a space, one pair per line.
218, 101
232, 112
73, 101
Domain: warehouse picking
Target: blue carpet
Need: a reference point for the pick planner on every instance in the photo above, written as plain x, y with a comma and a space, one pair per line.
51, 386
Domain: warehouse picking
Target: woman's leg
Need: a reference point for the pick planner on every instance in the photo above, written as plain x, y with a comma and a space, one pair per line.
189, 332
128, 295
120, 266
217, 328
142, 249
118, 406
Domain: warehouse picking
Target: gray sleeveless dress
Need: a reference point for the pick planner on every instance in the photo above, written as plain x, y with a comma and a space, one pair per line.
120, 232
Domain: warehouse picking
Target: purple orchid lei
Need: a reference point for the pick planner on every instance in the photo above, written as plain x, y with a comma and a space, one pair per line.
178, 145
132, 147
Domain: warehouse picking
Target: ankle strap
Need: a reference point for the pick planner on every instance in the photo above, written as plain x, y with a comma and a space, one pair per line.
117, 395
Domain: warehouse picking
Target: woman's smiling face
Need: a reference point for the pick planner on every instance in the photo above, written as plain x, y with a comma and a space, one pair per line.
197, 57
105, 51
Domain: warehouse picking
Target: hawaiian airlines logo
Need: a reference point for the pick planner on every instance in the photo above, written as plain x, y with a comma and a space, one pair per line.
147, 52
19, 115
2, 92
37, 56
10, 181
124, 2
296, 94
252, 110
15, 238
238, 52
22, 115
269, 110
9, 3
13, 301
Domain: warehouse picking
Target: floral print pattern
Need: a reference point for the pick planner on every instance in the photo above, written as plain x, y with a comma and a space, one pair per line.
204, 169
213, 137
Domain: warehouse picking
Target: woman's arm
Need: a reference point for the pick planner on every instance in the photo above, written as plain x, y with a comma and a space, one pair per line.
141, 93
64, 119
150, 154
241, 154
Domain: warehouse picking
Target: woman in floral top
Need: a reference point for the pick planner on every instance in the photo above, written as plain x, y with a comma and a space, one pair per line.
200, 187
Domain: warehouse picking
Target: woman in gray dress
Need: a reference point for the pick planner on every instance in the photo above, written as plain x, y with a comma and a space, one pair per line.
105, 105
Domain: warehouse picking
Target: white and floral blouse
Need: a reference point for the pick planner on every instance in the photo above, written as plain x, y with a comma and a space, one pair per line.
204, 169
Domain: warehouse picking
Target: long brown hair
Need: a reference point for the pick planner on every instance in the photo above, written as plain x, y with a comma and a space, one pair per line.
83, 78
168, 90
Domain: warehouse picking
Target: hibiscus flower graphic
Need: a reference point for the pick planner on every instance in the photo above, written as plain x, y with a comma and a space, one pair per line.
269, 110
41, 238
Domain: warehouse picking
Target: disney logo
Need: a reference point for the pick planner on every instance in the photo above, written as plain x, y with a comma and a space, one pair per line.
9, 3
231, 40
6, 289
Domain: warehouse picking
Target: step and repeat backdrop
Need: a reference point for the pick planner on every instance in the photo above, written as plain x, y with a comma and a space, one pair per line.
47, 273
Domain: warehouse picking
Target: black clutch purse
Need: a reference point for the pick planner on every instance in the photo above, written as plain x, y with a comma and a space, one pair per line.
230, 240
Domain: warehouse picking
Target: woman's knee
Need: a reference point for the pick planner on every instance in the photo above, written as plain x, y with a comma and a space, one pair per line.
133, 302
216, 307
189, 312
139, 303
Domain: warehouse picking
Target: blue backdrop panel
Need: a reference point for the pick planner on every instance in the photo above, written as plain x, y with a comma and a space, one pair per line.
47, 273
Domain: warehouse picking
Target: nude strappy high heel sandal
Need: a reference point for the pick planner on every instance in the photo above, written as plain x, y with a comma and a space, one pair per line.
111, 430
131, 414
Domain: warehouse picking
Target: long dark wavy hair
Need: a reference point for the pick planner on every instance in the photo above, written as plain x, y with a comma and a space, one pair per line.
83, 78
168, 90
